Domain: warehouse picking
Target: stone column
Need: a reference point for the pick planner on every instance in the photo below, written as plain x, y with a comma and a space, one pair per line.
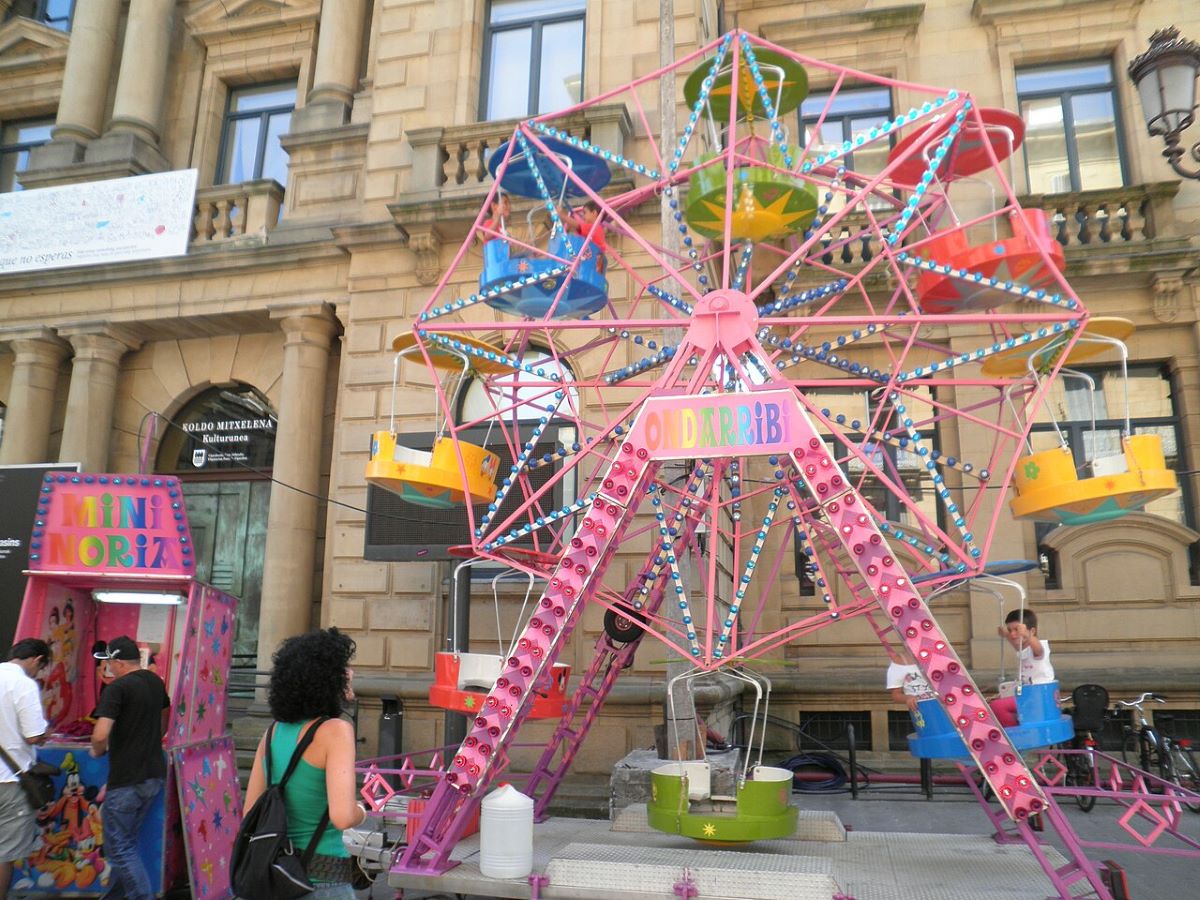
287, 589
39, 355
137, 108
84, 99
87, 429
335, 74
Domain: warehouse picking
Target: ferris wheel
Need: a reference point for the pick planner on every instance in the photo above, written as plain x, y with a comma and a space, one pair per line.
738, 341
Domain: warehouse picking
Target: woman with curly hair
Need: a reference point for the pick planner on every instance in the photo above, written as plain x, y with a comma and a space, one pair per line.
311, 680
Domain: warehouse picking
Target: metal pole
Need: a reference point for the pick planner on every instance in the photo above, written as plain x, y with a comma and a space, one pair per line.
458, 630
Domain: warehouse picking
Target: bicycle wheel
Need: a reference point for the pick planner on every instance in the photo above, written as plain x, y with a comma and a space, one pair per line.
1185, 772
1130, 750
1080, 773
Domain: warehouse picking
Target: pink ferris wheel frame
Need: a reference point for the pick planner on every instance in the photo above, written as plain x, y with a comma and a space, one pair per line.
693, 400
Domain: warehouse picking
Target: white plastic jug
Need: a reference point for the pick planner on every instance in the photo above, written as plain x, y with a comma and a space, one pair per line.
506, 834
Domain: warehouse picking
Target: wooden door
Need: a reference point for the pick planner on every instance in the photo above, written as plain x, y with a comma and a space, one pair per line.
229, 534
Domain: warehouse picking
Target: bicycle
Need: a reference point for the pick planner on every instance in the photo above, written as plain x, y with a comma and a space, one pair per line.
1152, 750
1088, 713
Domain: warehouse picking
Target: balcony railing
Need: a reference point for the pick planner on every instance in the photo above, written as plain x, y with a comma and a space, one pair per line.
450, 161
232, 212
1085, 221
1111, 216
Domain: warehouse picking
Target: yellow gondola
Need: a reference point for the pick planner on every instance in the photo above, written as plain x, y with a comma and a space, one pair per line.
454, 471
1048, 489
1047, 484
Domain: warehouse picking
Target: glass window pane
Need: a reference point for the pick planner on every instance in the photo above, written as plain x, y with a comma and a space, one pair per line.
871, 158
22, 163
830, 136
847, 101
1046, 146
32, 133
267, 96
1102, 442
241, 149
523, 10
508, 74
1149, 392
1062, 77
1096, 140
58, 13
275, 161
561, 81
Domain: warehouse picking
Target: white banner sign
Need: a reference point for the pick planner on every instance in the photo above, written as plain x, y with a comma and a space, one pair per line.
125, 219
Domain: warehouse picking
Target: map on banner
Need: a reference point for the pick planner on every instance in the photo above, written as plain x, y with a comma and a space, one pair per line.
120, 220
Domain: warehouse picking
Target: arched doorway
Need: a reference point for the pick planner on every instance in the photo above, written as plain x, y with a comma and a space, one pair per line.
221, 445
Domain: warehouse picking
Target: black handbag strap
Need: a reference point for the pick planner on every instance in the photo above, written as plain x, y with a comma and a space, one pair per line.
301, 746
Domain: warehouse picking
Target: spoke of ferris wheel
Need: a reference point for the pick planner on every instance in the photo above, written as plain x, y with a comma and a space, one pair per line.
748, 573
663, 356
670, 299
815, 529
739, 277
547, 197
511, 361
837, 422
651, 572
939, 483
541, 522
1016, 288
668, 536
980, 353
508, 287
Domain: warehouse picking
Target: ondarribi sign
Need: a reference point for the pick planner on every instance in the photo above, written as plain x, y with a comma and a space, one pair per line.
119, 525
749, 424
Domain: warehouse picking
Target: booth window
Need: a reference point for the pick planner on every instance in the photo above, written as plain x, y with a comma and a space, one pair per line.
55, 13
533, 57
1152, 403
16, 140
1072, 133
255, 119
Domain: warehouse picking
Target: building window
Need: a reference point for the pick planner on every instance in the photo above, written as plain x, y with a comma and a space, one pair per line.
1072, 134
17, 139
255, 118
533, 57
55, 13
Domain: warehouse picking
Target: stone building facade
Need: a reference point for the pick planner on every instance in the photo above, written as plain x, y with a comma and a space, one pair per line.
340, 147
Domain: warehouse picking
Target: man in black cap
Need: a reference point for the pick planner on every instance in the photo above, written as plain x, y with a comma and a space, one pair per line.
131, 719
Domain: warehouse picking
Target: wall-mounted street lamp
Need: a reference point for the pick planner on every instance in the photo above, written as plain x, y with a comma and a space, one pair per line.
1165, 76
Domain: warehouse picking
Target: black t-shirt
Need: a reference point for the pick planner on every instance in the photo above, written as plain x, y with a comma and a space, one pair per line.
135, 703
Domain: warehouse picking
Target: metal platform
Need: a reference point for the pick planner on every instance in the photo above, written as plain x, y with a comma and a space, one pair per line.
587, 858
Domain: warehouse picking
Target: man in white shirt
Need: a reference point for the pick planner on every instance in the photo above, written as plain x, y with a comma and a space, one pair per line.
22, 724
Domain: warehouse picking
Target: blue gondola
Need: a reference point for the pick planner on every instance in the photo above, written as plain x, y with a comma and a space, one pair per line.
518, 177
1041, 724
586, 293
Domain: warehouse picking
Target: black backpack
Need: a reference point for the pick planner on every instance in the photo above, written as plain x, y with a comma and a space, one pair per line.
265, 863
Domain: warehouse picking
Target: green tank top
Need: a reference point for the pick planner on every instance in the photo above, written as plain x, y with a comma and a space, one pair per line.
305, 794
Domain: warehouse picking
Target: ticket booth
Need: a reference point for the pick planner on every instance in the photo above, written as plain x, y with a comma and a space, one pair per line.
112, 555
